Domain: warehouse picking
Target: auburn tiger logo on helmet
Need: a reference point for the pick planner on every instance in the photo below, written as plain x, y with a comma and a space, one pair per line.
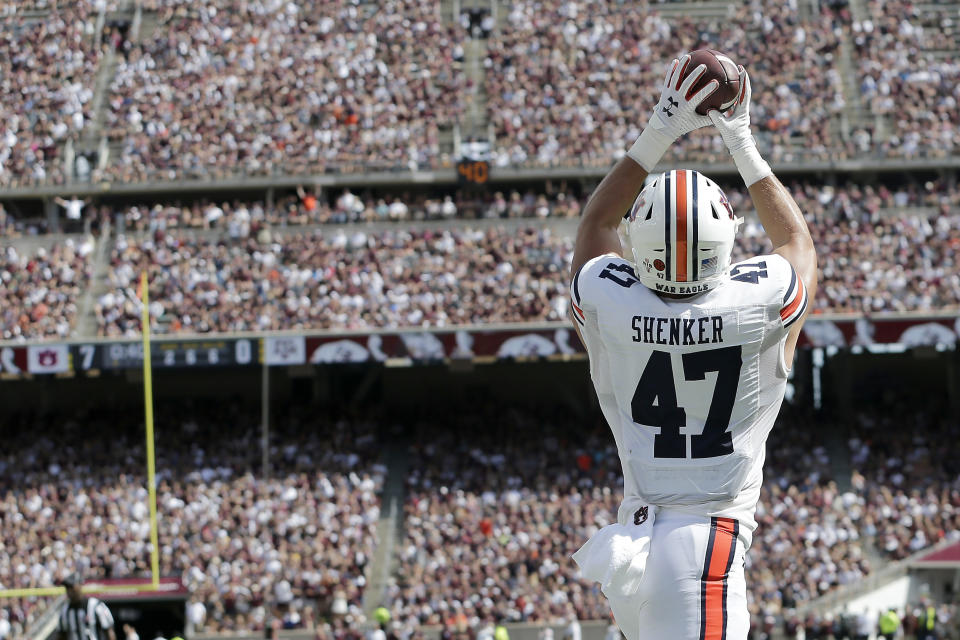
681, 230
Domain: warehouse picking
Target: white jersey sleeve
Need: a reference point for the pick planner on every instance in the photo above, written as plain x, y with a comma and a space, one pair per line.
587, 296
781, 290
596, 287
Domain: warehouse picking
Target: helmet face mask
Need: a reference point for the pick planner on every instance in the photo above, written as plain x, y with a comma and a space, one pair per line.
681, 230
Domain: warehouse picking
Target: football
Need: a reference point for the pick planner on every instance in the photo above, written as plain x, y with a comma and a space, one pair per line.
721, 68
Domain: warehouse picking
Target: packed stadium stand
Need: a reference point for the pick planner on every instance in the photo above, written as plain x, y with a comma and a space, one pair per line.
349, 281
299, 89
50, 60
490, 517
248, 547
293, 166
908, 76
547, 53
41, 289
333, 87
482, 543
239, 266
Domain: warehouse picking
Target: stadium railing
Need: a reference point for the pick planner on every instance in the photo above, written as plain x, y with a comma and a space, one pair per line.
449, 177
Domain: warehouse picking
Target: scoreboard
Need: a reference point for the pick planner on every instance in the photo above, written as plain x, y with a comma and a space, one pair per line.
473, 172
176, 353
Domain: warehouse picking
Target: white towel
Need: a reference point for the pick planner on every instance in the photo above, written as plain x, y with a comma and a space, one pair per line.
616, 556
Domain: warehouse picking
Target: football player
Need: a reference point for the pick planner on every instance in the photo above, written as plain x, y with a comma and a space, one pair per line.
689, 355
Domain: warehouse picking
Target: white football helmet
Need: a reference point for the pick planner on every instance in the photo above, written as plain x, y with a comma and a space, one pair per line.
681, 231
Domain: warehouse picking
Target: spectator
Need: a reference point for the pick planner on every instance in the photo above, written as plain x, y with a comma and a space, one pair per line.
73, 206
573, 630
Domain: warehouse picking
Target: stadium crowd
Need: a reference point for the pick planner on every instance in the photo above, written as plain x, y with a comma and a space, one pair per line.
242, 218
393, 278
322, 280
910, 479
822, 204
537, 74
484, 545
317, 86
40, 289
300, 87
48, 70
249, 548
490, 519
242, 265
808, 540
909, 76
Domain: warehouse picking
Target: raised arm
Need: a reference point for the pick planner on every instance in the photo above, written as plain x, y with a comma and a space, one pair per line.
778, 211
613, 197
673, 116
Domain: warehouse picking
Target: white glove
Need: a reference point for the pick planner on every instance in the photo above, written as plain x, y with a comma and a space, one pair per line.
675, 114
736, 134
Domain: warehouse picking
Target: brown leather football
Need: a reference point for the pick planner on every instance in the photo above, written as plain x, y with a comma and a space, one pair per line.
720, 67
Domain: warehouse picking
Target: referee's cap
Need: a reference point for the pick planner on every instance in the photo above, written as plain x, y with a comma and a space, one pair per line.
71, 580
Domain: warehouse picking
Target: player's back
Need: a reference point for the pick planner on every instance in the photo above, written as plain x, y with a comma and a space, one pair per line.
690, 387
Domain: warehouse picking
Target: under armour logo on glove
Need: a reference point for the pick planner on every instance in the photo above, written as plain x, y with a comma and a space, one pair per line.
672, 104
641, 515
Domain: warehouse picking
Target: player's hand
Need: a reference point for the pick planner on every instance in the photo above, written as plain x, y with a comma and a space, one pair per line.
734, 126
675, 114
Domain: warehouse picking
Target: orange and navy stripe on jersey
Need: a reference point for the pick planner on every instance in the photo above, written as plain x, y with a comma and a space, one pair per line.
721, 548
576, 303
795, 300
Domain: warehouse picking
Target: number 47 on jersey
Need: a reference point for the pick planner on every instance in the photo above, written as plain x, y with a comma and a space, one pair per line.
655, 402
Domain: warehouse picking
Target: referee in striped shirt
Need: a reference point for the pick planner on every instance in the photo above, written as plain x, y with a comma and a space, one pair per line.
83, 618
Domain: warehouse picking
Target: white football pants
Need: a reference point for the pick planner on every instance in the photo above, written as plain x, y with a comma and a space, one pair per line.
693, 587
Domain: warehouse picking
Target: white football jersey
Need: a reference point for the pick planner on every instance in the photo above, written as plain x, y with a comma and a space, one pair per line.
690, 387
